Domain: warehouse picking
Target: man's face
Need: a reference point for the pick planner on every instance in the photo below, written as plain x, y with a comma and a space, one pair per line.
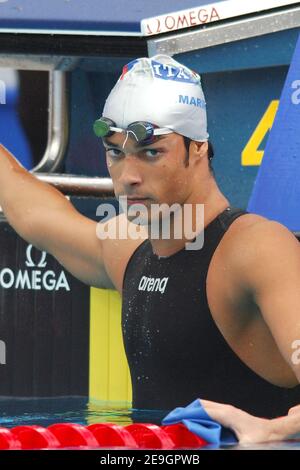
148, 175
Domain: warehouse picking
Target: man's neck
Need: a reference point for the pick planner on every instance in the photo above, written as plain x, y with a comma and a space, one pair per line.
213, 205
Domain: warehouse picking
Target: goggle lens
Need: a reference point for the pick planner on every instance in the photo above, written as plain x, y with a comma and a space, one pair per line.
102, 127
142, 131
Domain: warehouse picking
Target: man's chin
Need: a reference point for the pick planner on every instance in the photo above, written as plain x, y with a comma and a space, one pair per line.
143, 221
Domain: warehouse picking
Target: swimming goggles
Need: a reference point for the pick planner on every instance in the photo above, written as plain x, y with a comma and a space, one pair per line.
143, 132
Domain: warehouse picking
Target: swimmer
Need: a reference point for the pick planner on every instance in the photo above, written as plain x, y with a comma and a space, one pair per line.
219, 322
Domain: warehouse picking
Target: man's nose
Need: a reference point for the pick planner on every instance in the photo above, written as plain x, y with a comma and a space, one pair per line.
130, 172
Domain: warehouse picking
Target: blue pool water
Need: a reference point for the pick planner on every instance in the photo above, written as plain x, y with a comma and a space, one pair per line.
47, 411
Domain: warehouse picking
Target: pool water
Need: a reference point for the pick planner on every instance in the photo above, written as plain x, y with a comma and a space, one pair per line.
47, 411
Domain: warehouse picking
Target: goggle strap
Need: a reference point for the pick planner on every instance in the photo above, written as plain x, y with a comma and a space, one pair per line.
162, 131
157, 131
116, 129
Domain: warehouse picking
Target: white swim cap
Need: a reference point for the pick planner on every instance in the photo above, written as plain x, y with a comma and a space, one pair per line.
161, 91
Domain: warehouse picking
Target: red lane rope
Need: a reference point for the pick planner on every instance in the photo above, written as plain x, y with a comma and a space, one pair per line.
101, 435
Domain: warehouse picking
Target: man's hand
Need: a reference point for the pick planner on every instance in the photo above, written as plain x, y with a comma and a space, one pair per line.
250, 429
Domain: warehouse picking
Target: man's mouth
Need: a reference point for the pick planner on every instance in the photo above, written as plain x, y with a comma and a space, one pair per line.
131, 201
134, 199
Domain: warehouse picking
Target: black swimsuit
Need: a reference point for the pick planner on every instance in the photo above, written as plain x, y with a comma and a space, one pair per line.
174, 349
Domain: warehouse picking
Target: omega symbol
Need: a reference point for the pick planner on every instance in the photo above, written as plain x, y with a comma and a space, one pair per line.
30, 263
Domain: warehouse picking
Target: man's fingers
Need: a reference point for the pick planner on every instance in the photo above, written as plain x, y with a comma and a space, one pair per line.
247, 428
224, 414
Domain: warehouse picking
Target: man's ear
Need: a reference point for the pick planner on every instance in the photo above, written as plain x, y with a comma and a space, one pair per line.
198, 150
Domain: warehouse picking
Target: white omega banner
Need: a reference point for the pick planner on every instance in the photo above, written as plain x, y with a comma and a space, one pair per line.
204, 14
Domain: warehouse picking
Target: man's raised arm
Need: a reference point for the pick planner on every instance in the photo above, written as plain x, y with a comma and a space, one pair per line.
44, 217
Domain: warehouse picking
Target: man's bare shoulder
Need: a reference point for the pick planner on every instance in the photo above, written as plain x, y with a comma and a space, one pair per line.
119, 238
254, 230
255, 242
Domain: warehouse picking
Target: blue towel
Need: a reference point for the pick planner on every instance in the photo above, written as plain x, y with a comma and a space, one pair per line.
195, 418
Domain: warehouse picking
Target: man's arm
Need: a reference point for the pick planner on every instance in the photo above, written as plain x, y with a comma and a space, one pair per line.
264, 258
44, 217
267, 263
250, 429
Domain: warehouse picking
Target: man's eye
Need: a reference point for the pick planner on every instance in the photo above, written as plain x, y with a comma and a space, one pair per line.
113, 153
152, 153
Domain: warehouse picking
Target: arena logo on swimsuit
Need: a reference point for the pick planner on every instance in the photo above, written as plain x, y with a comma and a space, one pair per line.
34, 279
152, 284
